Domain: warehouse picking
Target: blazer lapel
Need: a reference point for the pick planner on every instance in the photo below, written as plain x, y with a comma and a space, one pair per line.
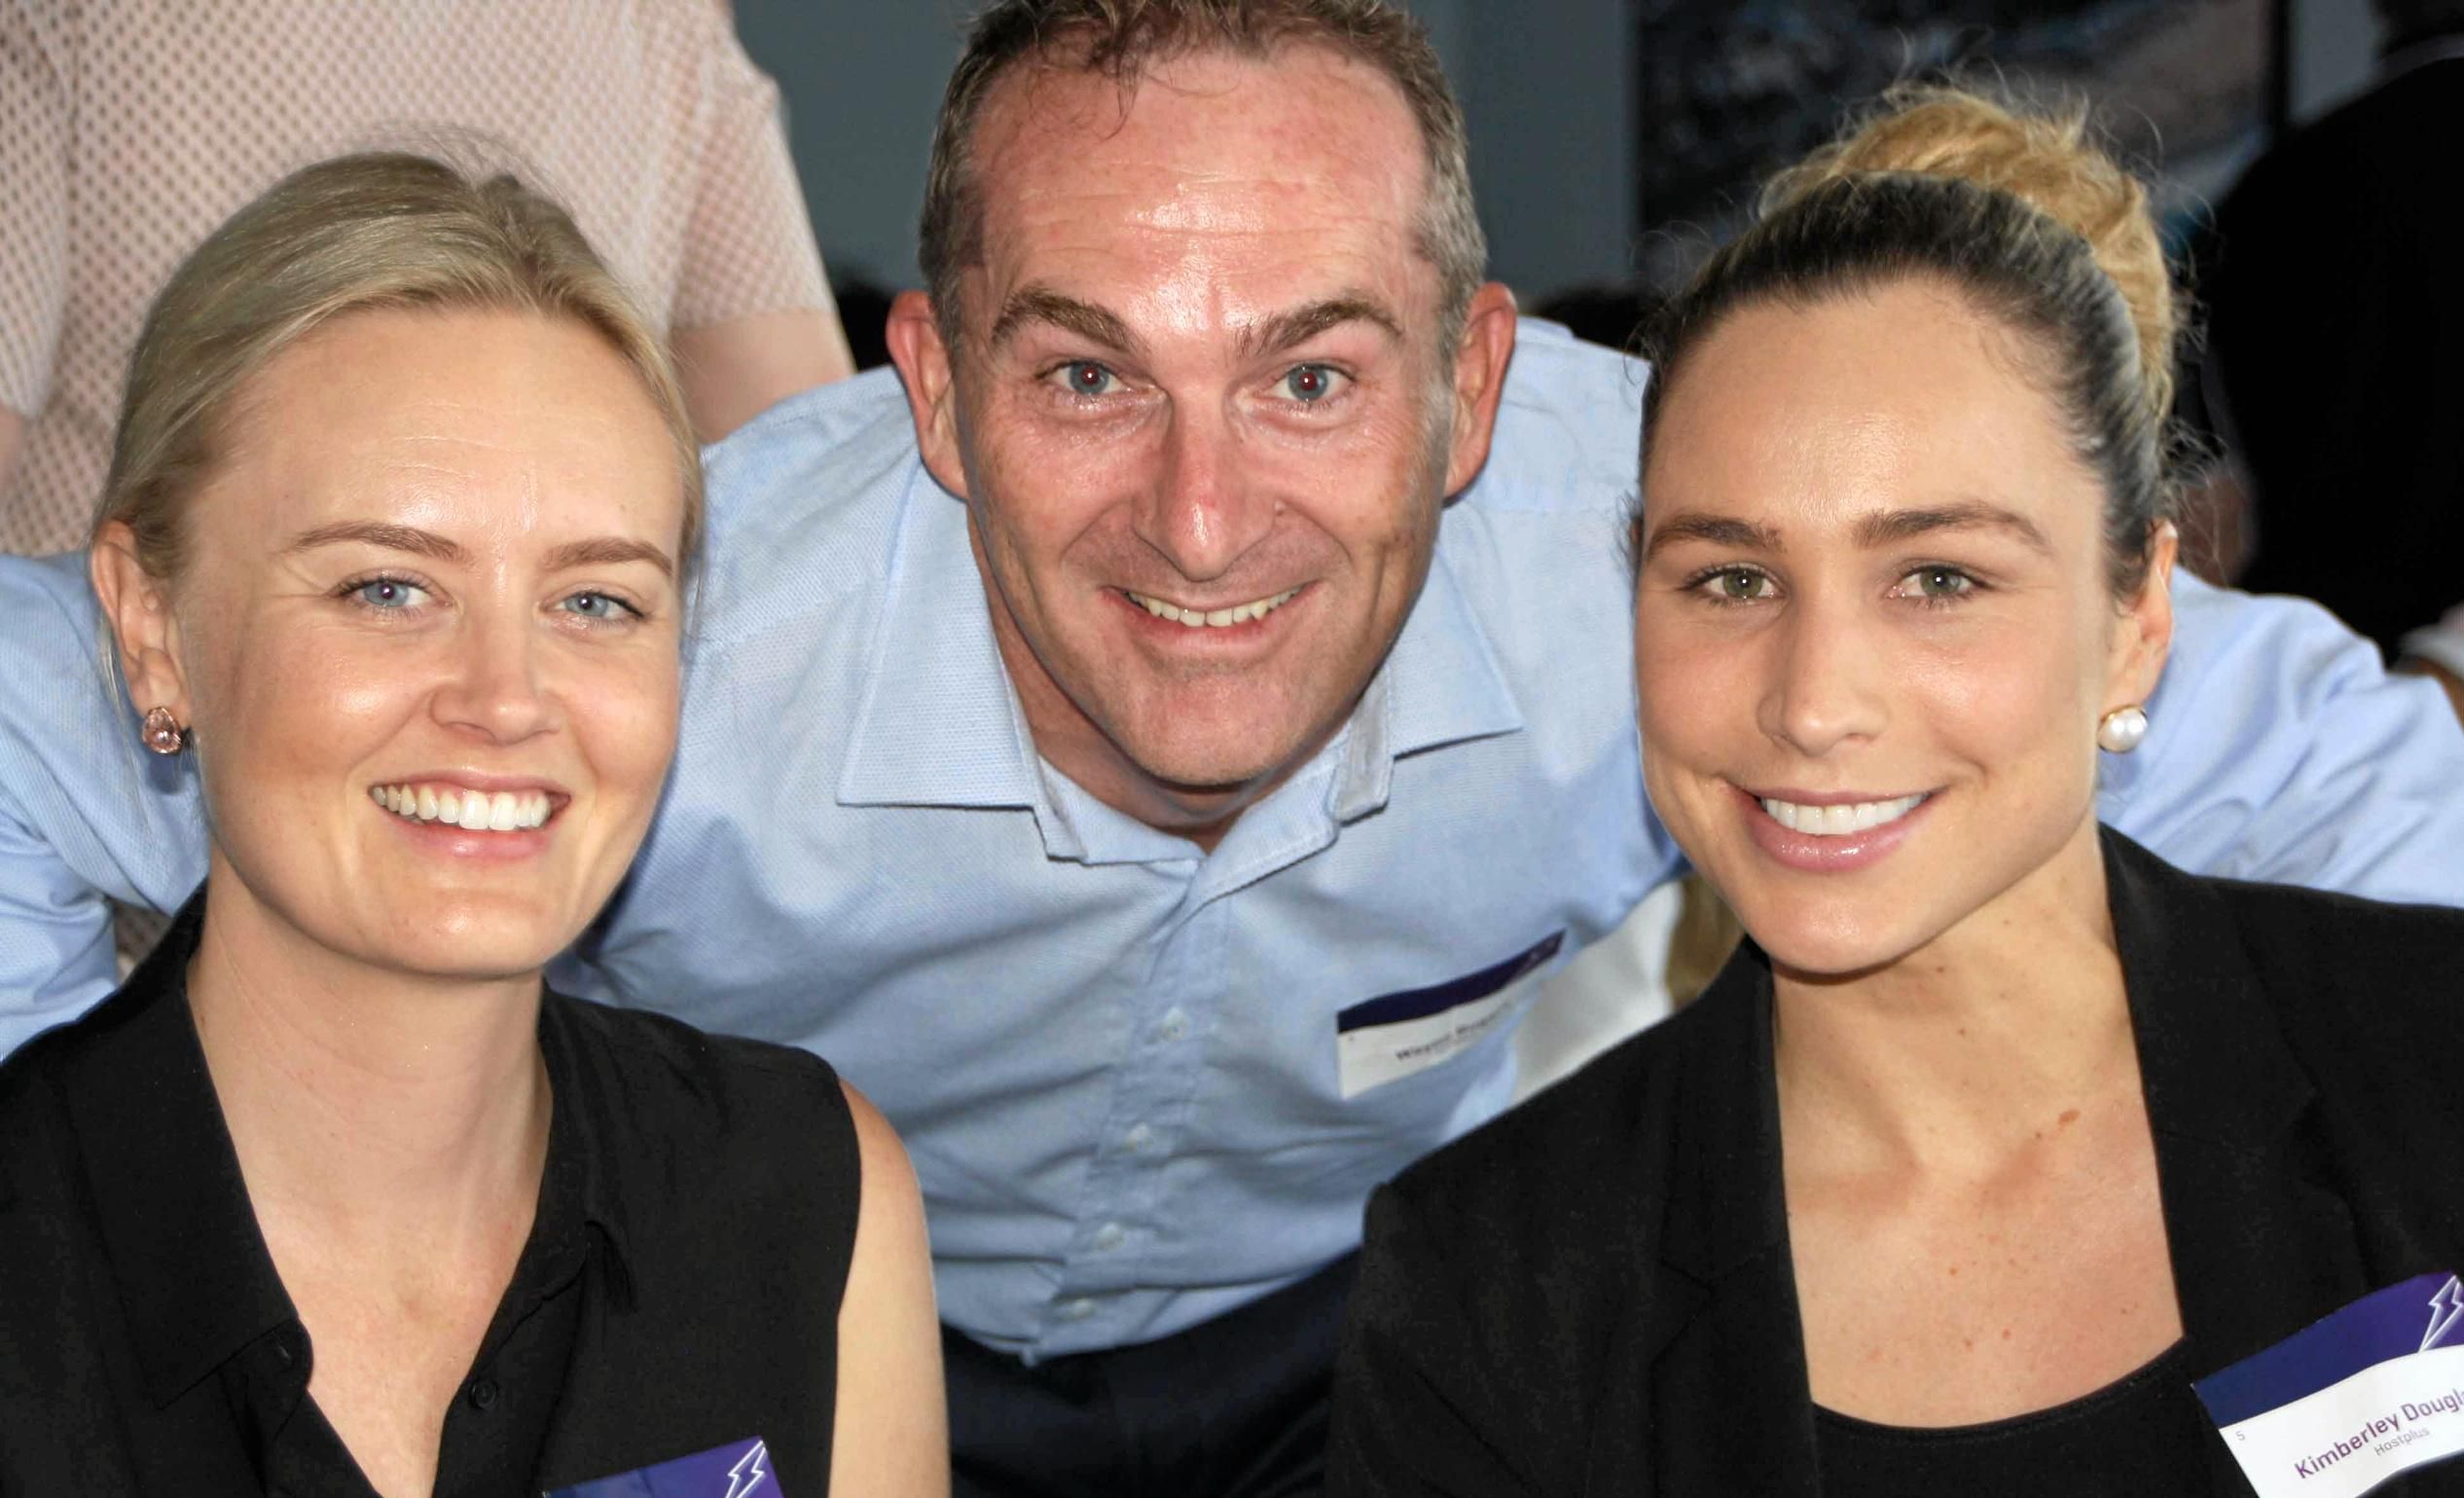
2261, 1244
1730, 1403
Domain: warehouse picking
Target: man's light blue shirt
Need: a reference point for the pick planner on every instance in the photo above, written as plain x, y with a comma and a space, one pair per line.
1115, 1060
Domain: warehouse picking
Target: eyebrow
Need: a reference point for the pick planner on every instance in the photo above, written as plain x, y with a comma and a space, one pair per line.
598, 551
1285, 330
609, 551
1880, 529
1042, 304
1888, 526
1717, 530
410, 538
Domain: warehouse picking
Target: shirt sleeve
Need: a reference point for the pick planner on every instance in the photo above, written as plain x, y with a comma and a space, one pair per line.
2280, 749
34, 138
86, 815
748, 244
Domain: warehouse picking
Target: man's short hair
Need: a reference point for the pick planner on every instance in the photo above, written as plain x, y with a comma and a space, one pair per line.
1124, 39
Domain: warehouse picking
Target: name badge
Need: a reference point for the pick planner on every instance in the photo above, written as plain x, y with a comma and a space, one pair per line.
2351, 1400
739, 1469
1384, 1039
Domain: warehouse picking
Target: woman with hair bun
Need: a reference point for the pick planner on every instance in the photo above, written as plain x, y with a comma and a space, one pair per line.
1999, 1132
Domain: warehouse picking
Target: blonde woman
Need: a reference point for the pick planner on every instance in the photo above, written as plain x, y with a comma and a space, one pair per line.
2000, 1131
331, 1197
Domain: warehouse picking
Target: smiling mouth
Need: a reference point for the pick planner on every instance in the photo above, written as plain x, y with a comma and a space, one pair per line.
1212, 618
1840, 820
473, 811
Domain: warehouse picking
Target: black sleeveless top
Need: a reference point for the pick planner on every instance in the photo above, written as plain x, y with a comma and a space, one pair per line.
679, 1291
2141, 1434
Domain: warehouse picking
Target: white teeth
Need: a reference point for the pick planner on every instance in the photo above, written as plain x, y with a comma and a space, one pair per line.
1835, 820
473, 811
1213, 618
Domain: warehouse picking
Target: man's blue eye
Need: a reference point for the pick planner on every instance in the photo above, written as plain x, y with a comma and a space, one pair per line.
1310, 383
1088, 377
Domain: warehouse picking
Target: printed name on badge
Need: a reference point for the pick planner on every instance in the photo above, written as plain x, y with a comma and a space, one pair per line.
2351, 1400
739, 1469
1387, 1039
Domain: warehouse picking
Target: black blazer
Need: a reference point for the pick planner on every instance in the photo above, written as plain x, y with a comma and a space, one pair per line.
1595, 1294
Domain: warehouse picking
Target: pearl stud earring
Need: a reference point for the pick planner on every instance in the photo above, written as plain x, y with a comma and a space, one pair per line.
2121, 729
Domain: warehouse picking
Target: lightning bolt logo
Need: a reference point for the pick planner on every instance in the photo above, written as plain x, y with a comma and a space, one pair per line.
749, 1473
2445, 1308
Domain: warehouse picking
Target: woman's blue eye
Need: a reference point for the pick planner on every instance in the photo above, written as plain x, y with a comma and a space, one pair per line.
1309, 384
598, 606
388, 593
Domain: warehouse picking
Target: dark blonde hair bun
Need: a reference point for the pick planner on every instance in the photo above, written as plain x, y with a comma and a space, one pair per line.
2025, 216
2052, 161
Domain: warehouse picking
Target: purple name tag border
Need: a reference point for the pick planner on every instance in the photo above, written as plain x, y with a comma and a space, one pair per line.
2396, 1322
738, 1468
1420, 1003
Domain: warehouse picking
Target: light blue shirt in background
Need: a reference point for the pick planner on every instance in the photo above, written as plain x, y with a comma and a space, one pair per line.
1113, 1059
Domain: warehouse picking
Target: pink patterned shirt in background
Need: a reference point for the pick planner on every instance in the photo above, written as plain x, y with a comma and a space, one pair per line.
128, 128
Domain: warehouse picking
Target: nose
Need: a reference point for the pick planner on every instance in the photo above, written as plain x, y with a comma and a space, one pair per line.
494, 686
1206, 509
1824, 689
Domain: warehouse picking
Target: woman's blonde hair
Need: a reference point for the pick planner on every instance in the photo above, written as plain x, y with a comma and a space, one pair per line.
2027, 216
379, 229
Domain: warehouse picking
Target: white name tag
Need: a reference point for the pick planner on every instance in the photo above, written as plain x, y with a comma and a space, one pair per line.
2351, 1400
1389, 1037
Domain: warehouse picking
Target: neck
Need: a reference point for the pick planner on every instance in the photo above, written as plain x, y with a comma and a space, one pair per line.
397, 1104
1990, 1038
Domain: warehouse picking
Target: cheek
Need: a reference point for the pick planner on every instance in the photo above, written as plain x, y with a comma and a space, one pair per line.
623, 713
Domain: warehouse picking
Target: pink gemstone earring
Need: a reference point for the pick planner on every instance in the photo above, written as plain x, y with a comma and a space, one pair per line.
162, 733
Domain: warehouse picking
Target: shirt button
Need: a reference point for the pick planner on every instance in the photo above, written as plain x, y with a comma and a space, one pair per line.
1174, 1025
1110, 1236
482, 1394
1078, 1310
1139, 1136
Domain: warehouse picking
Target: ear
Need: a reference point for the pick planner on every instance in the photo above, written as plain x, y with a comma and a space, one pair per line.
924, 365
143, 626
2143, 632
1480, 361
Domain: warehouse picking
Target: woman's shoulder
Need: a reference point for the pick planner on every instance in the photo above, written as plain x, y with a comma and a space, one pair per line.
714, 1106
1539, 1169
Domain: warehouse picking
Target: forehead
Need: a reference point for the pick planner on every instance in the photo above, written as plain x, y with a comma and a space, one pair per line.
1300, 164
1903, 393
456, 421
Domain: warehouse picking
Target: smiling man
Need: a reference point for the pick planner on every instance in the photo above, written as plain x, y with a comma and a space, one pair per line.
1155, 745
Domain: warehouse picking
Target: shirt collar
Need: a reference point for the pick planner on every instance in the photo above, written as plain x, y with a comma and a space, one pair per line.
941, 725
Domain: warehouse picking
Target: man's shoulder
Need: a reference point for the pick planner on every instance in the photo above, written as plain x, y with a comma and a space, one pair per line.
1569, 432
804, 501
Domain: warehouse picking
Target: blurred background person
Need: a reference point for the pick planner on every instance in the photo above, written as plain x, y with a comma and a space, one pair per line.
400, 526
130, 128
2336, 341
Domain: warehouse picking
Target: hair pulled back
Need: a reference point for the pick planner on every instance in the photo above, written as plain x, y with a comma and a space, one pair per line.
379, 229
2029, 220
